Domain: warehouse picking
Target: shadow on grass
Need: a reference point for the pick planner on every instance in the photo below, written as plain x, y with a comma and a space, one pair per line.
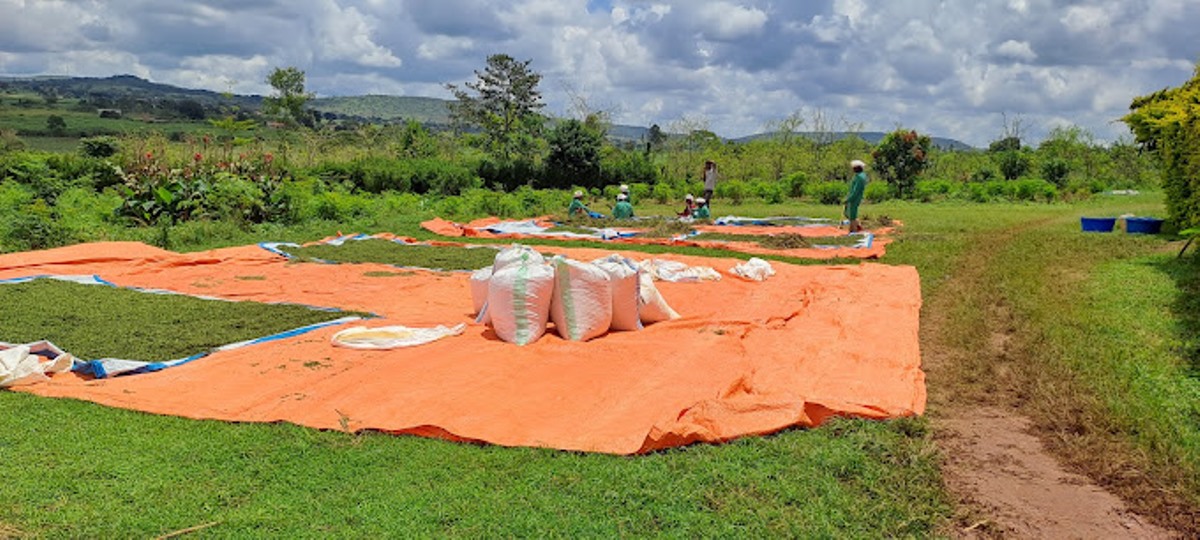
1185, 271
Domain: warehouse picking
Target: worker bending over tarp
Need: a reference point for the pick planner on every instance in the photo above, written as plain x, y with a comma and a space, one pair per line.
745, 358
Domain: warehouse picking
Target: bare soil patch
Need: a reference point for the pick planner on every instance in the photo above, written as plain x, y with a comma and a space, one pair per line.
1006, 480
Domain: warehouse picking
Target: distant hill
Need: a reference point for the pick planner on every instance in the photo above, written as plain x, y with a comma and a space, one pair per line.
135, 93
124, 88
386, 108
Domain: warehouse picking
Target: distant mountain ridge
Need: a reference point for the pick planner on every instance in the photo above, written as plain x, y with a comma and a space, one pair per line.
426, 110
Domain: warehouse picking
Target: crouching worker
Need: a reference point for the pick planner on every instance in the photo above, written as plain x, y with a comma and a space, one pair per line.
577, 208
689, 206
701, 211
623, 210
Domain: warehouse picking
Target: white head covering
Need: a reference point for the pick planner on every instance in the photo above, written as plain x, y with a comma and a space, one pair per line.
858, 164
624, 188
700, 200
578, 194
622, 196
689, 197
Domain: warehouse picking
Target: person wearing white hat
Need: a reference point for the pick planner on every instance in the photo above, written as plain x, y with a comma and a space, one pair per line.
577, 208
855, 197
624, 189
689, 206
701, 211
623, 209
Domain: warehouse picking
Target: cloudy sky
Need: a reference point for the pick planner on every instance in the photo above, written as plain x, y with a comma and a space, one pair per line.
948, 68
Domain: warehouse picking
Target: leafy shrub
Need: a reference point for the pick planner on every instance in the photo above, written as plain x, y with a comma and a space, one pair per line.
628, 168
983, 175
794, 184
663, 193
734, 191
85, 213
931, 190
1013, 164
1033, 189
231, 197
377, 175
828, 192
338, 206
877, 192
640, 191
99, 147
508, 175
35, 227
769, 192
1056, 171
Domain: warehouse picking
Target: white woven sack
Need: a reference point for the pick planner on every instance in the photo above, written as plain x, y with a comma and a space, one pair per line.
518, 302
582, 305
653, 307
623, 273
479, 287
754, 269
516, 254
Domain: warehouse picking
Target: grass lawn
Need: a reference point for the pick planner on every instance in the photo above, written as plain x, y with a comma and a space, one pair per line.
1086, 335
95, 321
388, 252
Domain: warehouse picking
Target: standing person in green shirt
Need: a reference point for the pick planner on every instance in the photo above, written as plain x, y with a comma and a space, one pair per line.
623, 210
855, 197
577, 208
701, 211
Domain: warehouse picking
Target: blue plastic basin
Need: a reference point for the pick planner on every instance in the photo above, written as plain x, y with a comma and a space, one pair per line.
1143, 225
1094, 224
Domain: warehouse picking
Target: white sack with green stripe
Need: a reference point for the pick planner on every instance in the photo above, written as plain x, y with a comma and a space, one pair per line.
624, 276
582, 305
518, 304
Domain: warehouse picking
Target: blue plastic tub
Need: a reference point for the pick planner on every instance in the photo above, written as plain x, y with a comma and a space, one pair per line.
1098, 224
1143, 225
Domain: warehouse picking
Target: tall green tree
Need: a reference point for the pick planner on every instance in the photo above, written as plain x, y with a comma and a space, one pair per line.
290, 98
900, 157
505, 103
574, 155
1167, 122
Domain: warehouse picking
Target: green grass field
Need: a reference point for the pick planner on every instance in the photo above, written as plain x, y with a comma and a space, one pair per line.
1103, 366
93, 321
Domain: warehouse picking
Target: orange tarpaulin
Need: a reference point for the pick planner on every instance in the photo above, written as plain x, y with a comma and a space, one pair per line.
876, 250
746, 358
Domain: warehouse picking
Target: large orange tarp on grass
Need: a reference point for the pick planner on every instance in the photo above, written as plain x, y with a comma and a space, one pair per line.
746, 358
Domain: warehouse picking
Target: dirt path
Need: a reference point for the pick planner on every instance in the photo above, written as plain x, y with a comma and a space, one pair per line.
1006, 482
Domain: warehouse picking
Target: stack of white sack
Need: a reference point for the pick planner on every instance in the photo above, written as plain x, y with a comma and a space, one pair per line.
582, 303
521, 293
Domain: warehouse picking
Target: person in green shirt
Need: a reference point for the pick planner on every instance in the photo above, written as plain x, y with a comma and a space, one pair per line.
701, 211
577, 208
623, 210
854, 198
